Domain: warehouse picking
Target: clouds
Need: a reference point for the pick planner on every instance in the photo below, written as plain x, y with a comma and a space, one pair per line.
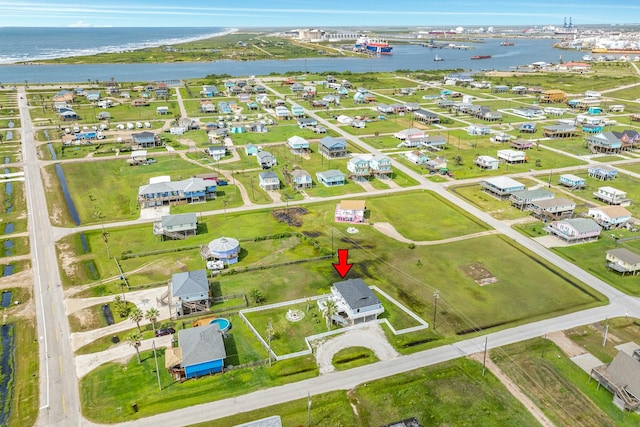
295, 13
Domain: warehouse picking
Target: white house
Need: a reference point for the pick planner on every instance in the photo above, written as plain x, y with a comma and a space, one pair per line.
512, 156
487, 162
612, 196
355, 302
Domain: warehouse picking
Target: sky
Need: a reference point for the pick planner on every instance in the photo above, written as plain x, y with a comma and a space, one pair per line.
320, 14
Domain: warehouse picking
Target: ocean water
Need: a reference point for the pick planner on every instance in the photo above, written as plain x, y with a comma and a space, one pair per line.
18, 44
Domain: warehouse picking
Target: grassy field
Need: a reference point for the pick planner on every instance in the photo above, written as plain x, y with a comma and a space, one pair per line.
87, 180
353, 357
108, 392
559, 387
431, 395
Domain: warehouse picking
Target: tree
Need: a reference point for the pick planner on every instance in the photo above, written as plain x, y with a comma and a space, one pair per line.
135, 341
330, 309
136, 315
152, 315
256, 295
457, 160
121, 306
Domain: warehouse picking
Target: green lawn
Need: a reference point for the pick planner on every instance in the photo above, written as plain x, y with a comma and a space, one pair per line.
87, 180
108, 392
352, 357
499, 209
558, 386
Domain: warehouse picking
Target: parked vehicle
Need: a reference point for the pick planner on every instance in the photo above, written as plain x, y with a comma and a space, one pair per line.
165, 331
222, 182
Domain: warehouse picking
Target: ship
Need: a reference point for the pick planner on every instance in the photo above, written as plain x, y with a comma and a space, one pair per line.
617, 50
371, 45
481, 57
506, 42
438, 58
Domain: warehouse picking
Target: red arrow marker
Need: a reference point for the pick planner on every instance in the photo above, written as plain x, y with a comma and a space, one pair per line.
342, 267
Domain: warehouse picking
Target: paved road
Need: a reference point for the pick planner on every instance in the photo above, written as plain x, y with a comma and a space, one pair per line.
59, 391
58, 384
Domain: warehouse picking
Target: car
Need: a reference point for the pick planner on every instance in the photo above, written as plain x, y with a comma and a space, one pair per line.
165, 331
222, 182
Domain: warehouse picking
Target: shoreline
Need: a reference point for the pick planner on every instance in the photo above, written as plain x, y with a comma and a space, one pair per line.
145, 45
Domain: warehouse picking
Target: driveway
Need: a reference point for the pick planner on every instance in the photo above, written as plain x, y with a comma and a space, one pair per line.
369, 335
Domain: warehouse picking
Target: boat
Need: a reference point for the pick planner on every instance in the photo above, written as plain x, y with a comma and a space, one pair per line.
481, 57
373, 45
506, 42
438, 58
619, 50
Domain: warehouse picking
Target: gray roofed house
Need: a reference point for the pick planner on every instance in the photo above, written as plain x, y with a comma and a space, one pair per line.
524, 199
552, 209
574, 230
177, 226
189, 292
203, 351
190, 190
623, 261
355, 301
266, 159
331, 177
269, 181
622, 378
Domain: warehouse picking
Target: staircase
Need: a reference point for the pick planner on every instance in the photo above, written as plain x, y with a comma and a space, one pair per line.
173, 235
193, 306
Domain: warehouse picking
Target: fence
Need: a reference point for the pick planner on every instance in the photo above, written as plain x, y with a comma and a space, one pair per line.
309, 350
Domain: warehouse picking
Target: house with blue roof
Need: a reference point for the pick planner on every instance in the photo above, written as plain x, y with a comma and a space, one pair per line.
146, 140
251, 149
358, 168
380, 166
606, 142
332, 148
574, 230
192, 190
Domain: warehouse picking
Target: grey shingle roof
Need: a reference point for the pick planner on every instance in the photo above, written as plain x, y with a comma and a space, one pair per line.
179, 219
190, 282
201, 344
356, 293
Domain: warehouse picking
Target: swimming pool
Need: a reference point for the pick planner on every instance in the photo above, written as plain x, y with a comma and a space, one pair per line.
224, 324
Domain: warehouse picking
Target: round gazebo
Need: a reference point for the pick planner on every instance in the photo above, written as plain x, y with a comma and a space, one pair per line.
225, 249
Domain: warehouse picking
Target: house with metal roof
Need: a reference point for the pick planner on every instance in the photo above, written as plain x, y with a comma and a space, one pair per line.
416, 157
352, 211
331, 147
434, 142
525, 198
146, 140
356, 303
189, 292
512, 156
331, 178
216, 151
269, 181
301, 179
572, 181
553, 209
602, 172
380, 166
574, 230
612, 196
623, 261
190, 190
610, 216
201, 352
560, 131
358, 168
178, 226
265, 159
501, 186
487, 162
606, 142
298, 144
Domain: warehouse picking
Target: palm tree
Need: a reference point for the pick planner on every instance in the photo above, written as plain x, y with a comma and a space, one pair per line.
330, 309
136, 315
135, 341
152, 315
120, 306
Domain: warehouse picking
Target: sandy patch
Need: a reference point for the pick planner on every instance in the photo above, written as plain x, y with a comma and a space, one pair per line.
479, 274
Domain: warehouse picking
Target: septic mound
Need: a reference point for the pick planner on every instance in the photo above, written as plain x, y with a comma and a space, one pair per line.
479, 274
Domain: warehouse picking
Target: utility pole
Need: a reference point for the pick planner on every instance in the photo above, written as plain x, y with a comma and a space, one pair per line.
544, 343
436, 296
153, 344
253, 196
484, 358
606, 331
308, 409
